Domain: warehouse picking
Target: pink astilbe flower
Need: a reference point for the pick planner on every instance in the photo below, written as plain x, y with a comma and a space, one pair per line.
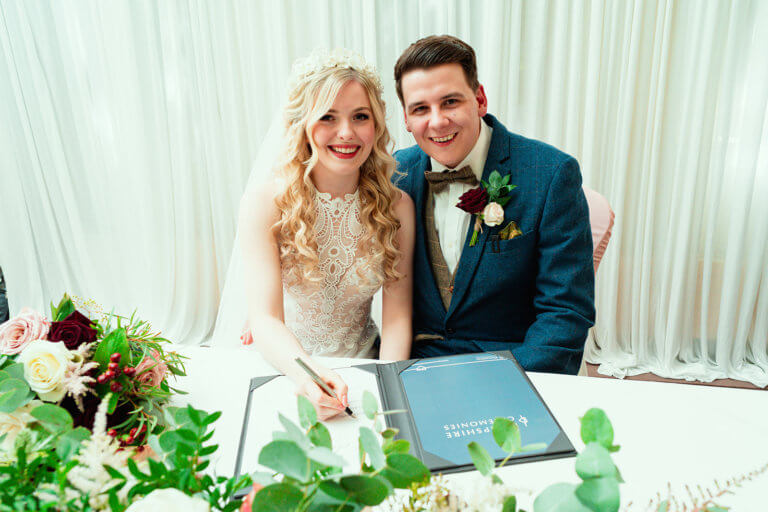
151, 370
76, 380
21, 330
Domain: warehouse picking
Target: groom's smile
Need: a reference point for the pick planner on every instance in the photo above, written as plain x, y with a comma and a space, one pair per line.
443, 112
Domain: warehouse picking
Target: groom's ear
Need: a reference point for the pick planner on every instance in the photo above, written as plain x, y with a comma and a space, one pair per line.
482, 101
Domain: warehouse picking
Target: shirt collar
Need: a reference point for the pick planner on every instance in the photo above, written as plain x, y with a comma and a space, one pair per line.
476, 158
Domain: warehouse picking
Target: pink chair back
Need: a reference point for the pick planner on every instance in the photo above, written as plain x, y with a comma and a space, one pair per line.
601, 219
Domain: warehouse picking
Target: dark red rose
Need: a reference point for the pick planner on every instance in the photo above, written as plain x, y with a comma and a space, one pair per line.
72, 331
473, 201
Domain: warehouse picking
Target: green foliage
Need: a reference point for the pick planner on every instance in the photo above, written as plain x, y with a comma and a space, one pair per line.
313, 477
595, 427
498, 187
14, 393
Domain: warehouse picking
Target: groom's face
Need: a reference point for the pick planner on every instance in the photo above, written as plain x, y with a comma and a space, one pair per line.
443, 112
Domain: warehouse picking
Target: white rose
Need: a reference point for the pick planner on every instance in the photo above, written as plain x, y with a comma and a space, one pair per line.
493, 214
45, 363
13, 423
169, 500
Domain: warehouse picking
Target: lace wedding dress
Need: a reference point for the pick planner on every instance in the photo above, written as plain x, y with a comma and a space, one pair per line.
333, 317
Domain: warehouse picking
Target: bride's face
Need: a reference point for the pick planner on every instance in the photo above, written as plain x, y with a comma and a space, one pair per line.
344, 136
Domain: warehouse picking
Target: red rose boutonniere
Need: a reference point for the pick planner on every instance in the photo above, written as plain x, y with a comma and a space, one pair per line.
487, 202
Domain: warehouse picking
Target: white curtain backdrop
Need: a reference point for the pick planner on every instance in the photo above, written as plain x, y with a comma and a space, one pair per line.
127, 129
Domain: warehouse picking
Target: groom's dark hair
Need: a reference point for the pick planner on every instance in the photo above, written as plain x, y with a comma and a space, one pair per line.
432, 51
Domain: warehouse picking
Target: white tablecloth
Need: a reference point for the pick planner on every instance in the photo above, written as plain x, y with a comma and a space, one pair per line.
670, 434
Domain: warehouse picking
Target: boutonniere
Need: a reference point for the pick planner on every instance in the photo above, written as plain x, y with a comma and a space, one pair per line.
487, 202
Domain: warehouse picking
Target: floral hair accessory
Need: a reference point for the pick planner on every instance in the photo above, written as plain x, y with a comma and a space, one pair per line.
487, 202
320, 60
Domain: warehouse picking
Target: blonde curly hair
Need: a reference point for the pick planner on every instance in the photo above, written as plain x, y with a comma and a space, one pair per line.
309, 100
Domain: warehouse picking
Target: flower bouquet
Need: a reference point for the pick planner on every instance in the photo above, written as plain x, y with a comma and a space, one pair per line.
75, 359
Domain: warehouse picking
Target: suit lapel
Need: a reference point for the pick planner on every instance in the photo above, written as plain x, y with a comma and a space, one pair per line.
498, 153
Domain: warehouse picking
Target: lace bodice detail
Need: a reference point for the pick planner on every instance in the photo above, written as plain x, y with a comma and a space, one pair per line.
333, 317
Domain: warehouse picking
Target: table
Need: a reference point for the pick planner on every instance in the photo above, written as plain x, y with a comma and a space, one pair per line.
670, 434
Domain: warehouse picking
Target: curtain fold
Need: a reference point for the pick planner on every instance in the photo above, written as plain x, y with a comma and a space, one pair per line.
128, 129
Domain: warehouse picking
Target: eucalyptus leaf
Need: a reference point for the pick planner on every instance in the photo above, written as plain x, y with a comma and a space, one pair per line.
286, 457
595, 426
13, 394
600, 494
595, 461
307, 413
368, 490
559, 498
510, 504
15, 370
481, 458
397, 446
403, 469
69, 443
506, 433
294, 432
277, 498
334, 490
370, 405
52, 417
389, 433
320, 436
325, 457
372, 447
262, 478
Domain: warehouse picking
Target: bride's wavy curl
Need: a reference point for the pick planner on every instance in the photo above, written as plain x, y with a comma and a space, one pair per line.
307, 103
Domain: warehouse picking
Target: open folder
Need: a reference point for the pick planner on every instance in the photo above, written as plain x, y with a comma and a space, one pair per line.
448, 402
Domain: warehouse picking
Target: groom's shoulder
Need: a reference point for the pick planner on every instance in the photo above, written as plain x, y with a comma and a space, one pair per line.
410, 163
409, 157
528, 151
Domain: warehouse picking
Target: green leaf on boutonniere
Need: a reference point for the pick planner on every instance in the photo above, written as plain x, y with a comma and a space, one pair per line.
503, 201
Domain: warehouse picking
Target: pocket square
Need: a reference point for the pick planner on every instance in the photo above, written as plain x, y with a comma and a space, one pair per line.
510, 231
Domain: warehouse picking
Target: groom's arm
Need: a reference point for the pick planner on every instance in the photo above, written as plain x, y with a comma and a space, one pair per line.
564, 292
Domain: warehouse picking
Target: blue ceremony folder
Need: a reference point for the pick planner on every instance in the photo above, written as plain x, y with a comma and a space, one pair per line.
453, 400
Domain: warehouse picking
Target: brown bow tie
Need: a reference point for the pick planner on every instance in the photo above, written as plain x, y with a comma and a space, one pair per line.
438, 181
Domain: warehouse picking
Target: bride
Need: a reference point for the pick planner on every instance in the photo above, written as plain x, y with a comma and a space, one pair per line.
319, 240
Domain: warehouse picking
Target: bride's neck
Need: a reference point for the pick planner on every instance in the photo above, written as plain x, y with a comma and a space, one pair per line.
336, 186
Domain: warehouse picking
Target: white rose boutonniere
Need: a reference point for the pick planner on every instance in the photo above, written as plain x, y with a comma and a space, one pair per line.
487, 202
169, 500
493, 214
45, 364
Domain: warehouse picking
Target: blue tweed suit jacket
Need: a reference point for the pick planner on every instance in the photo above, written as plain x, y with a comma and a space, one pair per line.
533, 294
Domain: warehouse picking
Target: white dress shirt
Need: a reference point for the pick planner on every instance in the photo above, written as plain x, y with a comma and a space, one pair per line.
452, 222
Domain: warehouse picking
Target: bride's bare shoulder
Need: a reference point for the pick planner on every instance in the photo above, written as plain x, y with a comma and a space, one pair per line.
258, 203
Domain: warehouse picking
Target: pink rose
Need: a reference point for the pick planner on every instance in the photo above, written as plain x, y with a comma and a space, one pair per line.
151, 370
19, 331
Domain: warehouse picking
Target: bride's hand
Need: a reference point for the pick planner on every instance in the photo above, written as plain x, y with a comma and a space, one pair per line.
326, 406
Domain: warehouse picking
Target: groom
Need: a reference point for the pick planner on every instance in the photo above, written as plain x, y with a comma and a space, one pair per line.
527, 284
